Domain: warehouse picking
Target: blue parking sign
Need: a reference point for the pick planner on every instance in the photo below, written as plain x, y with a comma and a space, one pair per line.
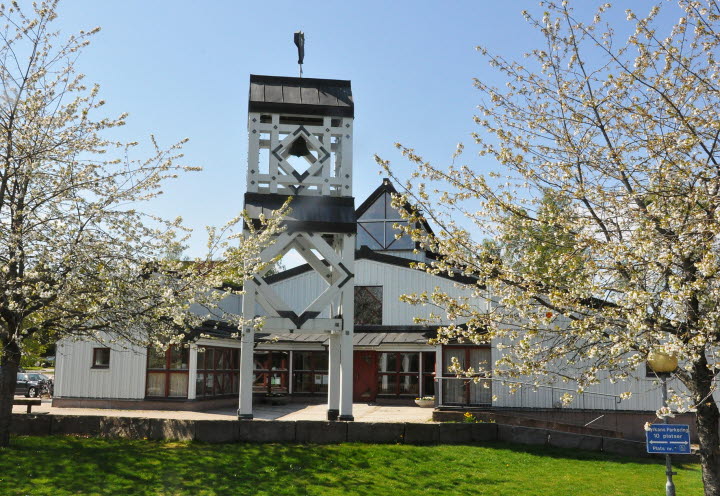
668, 439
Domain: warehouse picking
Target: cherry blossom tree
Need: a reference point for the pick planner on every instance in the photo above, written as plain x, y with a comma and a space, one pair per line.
78, 258
622, 132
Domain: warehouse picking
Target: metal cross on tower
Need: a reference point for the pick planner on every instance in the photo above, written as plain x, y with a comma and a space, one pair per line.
300, 133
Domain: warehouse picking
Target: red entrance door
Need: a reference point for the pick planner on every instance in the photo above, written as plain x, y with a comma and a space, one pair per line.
365, 382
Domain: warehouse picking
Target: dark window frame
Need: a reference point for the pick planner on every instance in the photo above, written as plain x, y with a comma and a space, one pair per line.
466, 360
387, 221
96, 352
267, 372
314, 370
168, 371
226, 380
398, 374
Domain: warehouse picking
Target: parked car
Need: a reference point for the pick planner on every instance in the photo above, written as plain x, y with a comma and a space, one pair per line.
33, 384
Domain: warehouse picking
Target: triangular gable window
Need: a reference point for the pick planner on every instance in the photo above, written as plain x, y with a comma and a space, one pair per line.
375, 227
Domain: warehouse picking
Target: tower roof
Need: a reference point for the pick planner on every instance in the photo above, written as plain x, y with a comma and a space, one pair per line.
280, 94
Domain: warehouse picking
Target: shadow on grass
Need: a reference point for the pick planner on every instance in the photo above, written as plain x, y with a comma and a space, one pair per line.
69, 465
582, 455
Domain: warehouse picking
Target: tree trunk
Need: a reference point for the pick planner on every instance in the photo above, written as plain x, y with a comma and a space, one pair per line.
9, 363
707, 420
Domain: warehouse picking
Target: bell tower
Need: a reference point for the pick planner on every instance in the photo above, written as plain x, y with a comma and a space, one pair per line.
300, 145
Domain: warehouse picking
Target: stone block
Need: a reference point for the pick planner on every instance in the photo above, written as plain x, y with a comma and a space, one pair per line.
624, 447
30, 425
483, 432
216, 431
319, 432
422, 433
574, 441
125, 427
172, 429
455, 433
266, 431
375, 433
521, 435
76, 425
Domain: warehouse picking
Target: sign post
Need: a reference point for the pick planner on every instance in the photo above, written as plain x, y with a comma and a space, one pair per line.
668, 438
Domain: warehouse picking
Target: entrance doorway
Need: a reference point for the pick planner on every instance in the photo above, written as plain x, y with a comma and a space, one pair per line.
365, 376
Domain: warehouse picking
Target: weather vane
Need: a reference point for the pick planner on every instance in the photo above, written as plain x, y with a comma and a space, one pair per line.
300, 43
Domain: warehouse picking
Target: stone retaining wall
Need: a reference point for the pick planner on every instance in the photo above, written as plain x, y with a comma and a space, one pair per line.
625, 424
319, 432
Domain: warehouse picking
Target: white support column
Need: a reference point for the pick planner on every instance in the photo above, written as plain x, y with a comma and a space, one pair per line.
245, 408
334, 377
438, 375
192, 372
346, 338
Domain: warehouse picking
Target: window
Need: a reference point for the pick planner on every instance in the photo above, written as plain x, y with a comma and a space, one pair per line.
399, 374
101, 358
428, 373
218, 372
271, 371
310, 371
375, 227
167, 373
368, 305
467, 392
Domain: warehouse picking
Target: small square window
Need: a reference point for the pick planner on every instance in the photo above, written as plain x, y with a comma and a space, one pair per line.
101, 358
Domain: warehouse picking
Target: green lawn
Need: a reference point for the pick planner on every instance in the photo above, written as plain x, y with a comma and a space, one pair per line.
67, 465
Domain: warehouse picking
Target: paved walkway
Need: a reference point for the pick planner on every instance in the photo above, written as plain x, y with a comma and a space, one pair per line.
363, 412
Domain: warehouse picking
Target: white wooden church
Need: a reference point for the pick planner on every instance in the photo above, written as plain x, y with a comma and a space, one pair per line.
335, 330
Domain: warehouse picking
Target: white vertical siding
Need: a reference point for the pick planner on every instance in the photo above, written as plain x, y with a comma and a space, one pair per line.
75, 377
301, 290
397, 281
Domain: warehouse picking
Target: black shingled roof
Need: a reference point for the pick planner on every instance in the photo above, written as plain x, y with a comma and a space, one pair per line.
332, 97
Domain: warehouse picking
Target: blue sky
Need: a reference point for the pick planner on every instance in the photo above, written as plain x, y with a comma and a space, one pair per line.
181, 69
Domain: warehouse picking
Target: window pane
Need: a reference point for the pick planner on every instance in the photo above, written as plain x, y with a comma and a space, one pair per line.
209, 380
280, 360
428, 362
449, 354
409, 362
321, 383
219, 383
209, 359
480, 359
179, 358
321, 361
261, 360
370, 234
404, 243
301, 360
428, 385
376, 210
386, 384
156, 384
101, 357
387, 362
199, 385
303, 382
260, 381
368, 305
156, 360
178, 385
409, 384
201, 358
278, 382
390, 212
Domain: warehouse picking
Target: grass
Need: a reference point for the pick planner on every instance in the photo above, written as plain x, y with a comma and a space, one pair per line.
68, 465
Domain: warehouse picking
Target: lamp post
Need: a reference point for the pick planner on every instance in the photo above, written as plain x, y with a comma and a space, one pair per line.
663, 365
